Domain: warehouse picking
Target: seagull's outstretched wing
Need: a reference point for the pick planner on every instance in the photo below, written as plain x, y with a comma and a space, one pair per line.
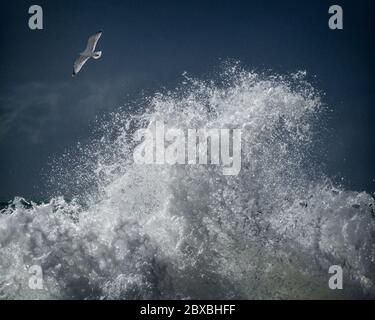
93, 40
78, 64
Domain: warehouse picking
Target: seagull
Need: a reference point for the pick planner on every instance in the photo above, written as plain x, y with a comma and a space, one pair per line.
88, 53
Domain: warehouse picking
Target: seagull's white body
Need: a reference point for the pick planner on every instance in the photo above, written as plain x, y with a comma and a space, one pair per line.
88, 53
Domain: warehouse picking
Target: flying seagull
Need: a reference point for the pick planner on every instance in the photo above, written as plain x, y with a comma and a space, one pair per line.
88, 53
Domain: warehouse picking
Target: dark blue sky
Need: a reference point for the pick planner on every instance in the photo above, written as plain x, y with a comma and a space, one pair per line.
148, 45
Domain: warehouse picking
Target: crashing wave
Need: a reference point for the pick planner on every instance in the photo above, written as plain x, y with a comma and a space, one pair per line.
188, 231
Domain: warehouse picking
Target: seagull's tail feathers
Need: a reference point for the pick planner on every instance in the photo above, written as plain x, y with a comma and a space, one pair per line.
97, 54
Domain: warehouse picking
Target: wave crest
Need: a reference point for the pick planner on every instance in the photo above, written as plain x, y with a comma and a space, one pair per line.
187, 231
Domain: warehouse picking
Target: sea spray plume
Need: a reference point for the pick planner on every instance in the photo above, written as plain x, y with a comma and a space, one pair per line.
188, 231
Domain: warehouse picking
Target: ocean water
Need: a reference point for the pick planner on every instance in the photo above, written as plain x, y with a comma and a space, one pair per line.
131, 231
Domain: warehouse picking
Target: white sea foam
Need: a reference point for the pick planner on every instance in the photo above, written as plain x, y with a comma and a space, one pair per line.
188, 231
